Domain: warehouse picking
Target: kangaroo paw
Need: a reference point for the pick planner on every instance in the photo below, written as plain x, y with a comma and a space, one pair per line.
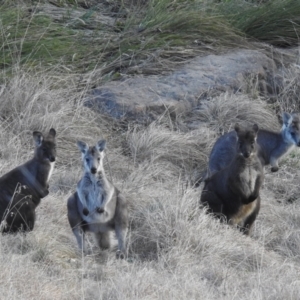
46, 192
120, 255
42, 193
85, 211
100, 210
274, 169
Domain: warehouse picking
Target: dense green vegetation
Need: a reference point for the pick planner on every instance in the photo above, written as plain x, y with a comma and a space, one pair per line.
127, 36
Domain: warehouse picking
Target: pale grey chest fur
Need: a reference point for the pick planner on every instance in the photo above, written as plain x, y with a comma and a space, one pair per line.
94, 194
52, 164
248, 179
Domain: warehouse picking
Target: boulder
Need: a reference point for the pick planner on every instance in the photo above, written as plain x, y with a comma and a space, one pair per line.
144, 97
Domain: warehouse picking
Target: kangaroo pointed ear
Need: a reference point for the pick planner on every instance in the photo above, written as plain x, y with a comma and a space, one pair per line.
38, 138
287, 118
52, 132
255, 128
83, 147
101, 145
237, 127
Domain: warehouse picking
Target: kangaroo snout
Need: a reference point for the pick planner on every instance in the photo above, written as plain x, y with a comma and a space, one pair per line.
247, 154
52, 159
93, 170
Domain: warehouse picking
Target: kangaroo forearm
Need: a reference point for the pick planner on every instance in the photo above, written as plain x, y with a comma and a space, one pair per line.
43, 192
253, 197
83, 199
257, 187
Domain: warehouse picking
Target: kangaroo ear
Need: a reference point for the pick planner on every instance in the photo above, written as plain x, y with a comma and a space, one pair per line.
255, 128
237, 127
38, 138
83, 147
287, 118
101, 145
52, 132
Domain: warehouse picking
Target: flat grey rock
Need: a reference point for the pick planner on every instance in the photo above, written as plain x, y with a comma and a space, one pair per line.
146, 97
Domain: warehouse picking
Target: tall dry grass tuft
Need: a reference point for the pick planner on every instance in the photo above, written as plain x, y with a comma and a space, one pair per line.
288, 98
178, 152
221, 113
35, 102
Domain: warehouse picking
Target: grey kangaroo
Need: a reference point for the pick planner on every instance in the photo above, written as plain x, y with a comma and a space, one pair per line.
234, 191
34, 174
273, 145
97, 206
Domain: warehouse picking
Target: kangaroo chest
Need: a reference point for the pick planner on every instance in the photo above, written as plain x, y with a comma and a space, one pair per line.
52, 164
95, 195
99, 198
247, 179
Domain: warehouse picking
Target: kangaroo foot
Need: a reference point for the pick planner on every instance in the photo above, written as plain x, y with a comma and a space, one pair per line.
274, 169
120, 255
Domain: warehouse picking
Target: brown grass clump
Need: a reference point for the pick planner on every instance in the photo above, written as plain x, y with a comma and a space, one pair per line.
221, 113
288, 98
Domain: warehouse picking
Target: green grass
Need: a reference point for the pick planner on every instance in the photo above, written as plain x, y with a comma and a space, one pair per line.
150, 35
275, 22
33, 40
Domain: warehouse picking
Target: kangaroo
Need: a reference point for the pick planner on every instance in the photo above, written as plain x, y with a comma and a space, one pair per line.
234, 191
20, 213
97, 206
273, 145
34, 174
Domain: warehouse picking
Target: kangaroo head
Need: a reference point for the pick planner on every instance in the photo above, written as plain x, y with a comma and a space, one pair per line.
291, 128
45, 147
92, 157
246, 144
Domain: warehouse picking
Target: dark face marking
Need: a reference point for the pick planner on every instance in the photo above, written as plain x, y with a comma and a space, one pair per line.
92, 159
47, 151
246, 144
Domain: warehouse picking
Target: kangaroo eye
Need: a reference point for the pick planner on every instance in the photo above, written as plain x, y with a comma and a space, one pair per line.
98, 158
87, 160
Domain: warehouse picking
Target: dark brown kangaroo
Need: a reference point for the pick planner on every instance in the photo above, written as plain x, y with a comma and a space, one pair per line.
234, 191
272, 145
34, 174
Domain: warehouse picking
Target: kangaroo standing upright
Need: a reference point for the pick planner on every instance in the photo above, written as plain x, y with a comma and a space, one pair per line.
97, 206
273, 145
234, 191
35, 175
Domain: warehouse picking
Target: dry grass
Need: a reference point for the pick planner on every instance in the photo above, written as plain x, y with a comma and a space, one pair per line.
288, 97
176, 250
222, 112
